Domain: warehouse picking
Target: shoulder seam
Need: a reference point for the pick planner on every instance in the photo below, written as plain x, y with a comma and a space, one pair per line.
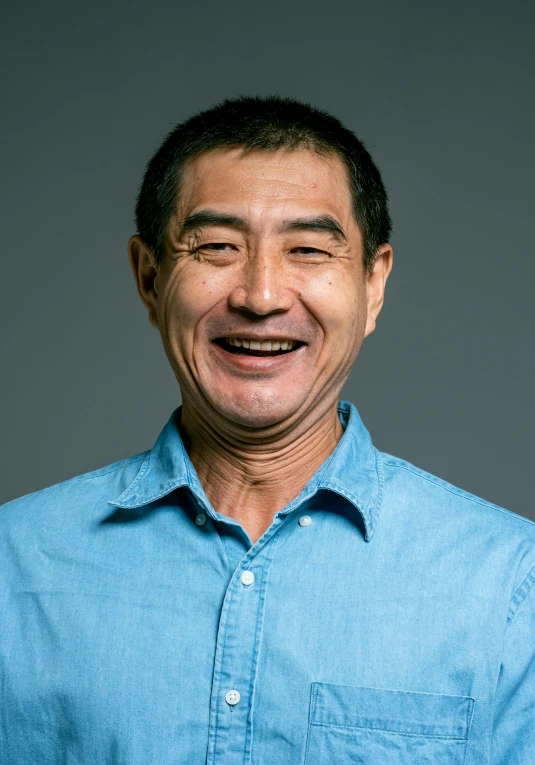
456, 491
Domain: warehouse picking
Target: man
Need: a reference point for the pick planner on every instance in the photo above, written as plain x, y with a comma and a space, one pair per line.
264, 586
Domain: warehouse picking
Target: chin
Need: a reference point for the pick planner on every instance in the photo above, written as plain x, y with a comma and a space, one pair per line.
259, 410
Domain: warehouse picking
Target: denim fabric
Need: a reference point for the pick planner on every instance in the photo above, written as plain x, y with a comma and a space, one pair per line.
396, 625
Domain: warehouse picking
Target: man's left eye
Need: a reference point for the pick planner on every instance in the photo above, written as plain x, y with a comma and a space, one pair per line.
309, 251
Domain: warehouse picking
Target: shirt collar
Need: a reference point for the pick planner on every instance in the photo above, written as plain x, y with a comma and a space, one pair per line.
354, 471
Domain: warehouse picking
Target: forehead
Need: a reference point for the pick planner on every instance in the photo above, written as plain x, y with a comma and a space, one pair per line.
260, 181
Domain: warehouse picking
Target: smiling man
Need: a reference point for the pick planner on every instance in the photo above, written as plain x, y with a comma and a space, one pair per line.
262, 299
264, 586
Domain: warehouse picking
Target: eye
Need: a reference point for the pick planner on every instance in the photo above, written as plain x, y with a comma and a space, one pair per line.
309, 251
216, 246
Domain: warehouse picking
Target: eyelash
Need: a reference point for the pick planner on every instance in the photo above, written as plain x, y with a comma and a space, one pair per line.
311, 250
215, 245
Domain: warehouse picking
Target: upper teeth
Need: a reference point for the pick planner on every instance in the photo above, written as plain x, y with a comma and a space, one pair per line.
262, 345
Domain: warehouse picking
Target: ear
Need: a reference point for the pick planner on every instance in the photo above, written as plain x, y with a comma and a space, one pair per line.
375, 285
145, 270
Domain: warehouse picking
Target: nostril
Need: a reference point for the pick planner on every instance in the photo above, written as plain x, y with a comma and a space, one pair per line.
261, 299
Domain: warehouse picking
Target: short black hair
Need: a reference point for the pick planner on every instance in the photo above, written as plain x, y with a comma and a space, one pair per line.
267, 123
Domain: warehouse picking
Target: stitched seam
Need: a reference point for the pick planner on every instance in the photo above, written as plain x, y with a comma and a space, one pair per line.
381, 481
249, 555
219, 673
469, 718
188, 472
343, 492
388, 730
458, 492
259, 626
363, 507
221, 540
327, 463
521, 593
167, 489
141, 474
315, 690
300, 500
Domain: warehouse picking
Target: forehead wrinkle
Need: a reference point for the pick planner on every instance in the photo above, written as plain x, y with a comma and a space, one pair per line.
267, 190
259, 171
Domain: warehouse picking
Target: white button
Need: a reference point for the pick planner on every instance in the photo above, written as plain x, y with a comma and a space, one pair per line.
232, 697
305, 520
201, 519
247, 577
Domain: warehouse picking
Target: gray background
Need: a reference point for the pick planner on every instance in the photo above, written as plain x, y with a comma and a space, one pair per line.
441, 93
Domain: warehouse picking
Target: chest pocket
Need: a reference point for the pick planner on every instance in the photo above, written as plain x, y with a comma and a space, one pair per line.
371, 726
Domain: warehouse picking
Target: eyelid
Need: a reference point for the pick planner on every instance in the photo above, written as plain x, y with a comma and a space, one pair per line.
215, 244
313, 249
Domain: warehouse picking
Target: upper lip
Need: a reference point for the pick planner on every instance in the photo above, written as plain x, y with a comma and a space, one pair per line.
247, 336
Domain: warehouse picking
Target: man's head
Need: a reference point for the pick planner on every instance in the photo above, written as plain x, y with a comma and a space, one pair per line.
261, 123
261, 221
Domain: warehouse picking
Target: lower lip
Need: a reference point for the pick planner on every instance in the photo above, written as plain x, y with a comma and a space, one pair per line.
246, 363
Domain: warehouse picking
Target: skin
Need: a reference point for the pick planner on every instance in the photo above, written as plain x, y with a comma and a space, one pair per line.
257, 428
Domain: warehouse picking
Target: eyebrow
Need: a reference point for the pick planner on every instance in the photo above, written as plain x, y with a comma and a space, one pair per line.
316, 223
211, 218
322, 223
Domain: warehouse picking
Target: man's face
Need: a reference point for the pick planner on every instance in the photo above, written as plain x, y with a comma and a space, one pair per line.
262, 299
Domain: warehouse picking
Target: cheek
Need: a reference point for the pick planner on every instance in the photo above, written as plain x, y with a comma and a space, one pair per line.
337, 301
188, 296
180, 306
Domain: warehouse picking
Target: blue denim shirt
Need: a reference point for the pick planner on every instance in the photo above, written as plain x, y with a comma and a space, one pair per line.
384, 617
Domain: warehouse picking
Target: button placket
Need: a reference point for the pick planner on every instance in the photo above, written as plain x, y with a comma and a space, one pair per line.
237, 650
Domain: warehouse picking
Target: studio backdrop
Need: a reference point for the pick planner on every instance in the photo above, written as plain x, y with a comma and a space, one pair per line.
440, 93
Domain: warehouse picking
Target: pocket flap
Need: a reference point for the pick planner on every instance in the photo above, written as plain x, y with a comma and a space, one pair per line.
427, 714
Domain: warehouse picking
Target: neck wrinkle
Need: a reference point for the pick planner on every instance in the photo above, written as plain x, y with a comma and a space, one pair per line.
238, 462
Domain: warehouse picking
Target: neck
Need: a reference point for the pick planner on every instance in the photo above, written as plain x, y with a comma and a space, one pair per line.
250, 478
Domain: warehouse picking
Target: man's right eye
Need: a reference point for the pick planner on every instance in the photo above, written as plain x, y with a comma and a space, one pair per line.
215, 246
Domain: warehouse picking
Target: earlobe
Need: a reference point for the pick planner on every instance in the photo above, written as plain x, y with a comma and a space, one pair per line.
376, 282
370, 326
145, 271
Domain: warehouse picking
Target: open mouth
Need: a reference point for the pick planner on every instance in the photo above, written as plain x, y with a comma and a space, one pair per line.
246, 347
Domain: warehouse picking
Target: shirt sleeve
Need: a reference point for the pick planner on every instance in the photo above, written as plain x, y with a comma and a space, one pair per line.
513, 736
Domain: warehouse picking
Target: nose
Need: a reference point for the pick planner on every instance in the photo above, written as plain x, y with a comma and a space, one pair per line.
264, 286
